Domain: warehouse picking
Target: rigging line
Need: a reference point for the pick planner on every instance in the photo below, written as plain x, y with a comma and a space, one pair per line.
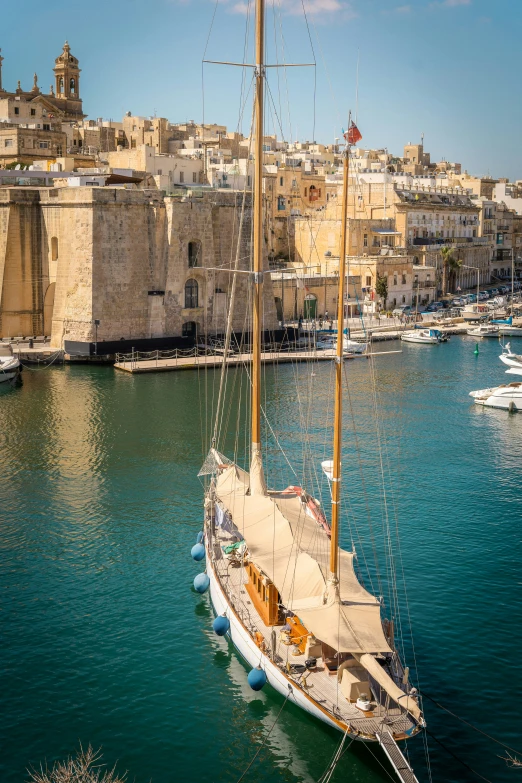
327, 774
203, 72
315, 67
475, 728
457, 757
386, 771
285, 71
230, 313
267, 736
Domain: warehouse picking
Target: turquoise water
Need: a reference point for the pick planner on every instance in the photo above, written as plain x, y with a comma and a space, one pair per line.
104, 641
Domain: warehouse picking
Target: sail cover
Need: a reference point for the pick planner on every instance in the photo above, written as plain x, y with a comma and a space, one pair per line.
293, 550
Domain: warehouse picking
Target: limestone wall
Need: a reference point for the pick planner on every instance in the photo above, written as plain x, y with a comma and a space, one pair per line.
70, 256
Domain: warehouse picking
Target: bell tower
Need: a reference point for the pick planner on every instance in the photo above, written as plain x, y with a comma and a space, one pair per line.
67, 75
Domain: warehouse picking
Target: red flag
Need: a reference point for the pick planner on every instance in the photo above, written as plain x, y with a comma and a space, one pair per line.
353, 134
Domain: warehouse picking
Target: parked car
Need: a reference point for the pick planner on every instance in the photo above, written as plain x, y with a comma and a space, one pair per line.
494, 292
503, 289
434, 307
459, 301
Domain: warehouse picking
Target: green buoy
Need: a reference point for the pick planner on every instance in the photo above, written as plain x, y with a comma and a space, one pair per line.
476, 351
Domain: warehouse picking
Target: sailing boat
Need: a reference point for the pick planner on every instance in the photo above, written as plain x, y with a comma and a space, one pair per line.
284, 592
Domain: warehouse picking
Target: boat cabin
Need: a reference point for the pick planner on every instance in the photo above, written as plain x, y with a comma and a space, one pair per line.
264, 596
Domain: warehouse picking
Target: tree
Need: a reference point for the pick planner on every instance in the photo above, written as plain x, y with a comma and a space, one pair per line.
85, 767
381, 288
450, 266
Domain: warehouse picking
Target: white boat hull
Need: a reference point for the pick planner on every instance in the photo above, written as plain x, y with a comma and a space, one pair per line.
507, 398
418, 339
510, 331
9, 369
251, 653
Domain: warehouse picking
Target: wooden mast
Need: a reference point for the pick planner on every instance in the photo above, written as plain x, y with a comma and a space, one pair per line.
338, 409
257, 482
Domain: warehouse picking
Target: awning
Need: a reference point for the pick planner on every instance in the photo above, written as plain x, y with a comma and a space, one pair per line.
293, 551
385, 232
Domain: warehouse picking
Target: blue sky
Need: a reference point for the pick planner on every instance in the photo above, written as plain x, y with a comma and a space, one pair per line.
447, 68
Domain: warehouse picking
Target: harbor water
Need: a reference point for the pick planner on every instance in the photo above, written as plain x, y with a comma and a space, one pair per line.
103, 639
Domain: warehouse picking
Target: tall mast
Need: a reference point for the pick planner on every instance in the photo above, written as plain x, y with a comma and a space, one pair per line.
338, 410
257, 480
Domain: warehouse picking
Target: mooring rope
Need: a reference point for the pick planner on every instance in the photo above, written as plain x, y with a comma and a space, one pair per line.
267, 736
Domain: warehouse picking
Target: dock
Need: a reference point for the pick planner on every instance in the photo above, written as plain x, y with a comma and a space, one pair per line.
194, 361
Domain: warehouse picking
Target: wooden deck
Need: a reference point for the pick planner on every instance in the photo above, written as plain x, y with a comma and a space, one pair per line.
319, 684
195, 362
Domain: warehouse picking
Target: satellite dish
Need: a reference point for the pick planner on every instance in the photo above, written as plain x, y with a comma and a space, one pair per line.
18, 167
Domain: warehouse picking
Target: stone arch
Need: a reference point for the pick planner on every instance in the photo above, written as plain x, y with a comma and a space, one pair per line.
189, 329
48, 310
72, 86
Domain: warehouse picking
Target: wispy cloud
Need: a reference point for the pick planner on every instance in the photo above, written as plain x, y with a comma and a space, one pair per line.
319, 9
450, 3
402, 9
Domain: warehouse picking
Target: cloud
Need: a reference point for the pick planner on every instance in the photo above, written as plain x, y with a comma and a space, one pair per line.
325, 9
450, 3
402, 9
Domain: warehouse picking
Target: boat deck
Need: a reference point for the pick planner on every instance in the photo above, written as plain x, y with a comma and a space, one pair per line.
319, 684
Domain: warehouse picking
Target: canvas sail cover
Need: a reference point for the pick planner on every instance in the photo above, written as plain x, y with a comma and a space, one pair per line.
293, 550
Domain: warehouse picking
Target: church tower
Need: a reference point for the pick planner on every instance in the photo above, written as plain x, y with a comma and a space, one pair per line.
67, 75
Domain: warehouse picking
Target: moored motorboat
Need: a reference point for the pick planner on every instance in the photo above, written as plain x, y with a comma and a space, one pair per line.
506, 396
328, 341
9, 364
511, 359
424, 336
484, 330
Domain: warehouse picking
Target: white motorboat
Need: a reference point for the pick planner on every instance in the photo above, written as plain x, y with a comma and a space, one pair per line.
510, 331
510, 358
484, 330
9, 364
506, 396
424, 336
328, 341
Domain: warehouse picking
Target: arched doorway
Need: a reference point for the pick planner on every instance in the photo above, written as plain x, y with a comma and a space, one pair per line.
310, 306
48, 310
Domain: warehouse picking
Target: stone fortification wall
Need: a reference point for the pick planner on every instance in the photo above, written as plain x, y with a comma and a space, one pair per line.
70, 256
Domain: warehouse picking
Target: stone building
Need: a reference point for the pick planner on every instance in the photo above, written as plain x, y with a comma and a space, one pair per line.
124, 266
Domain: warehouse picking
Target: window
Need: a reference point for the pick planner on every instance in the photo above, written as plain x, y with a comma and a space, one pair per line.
306, 193
403, 299
194, 254
189, 329
72, 86
191, 293
17, 110
44, 145
33, 112
160, 172
46, 126
182, 176
395, 278
60, 85
403, 279
133, 144
249, 181
194, 176
281, 203
281, 182
368, 281
365, 240
8, 142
